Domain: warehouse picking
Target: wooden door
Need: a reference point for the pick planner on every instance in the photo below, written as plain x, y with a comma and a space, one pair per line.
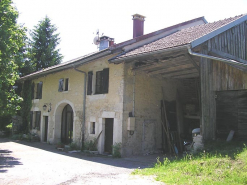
46, 128
108, 135
67, 125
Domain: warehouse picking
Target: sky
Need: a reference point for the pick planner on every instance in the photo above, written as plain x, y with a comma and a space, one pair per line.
78, 20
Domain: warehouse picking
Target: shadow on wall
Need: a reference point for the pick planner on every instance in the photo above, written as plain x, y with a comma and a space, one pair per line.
7, 161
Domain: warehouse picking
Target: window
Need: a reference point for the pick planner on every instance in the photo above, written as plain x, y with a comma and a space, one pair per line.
35, 119
63, 85
39, 90
102, 81
92, 128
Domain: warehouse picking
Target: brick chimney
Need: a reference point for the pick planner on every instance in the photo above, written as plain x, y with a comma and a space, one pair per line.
138, 25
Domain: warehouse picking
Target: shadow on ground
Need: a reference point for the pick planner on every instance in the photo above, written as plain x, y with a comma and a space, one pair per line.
133, 162
7, 161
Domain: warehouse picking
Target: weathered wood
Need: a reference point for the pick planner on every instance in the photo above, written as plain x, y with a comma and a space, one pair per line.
190, 75
207, 98
170, 68
193, 62
180, 72
227, 55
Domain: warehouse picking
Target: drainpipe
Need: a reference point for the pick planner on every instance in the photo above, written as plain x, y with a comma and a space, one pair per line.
229, 61
134, 82
84, 106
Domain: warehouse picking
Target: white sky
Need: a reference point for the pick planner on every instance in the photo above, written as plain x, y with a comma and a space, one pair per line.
77, 20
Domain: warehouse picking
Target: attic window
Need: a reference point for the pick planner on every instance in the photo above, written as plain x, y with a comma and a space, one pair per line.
63, 85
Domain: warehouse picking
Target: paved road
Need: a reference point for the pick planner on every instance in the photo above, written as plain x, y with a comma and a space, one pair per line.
40, 163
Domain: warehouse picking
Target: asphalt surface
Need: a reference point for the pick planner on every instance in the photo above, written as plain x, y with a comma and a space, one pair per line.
40, 163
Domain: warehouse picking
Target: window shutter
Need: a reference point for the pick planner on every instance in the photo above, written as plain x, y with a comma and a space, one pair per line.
105, 80
60, 85
31, 119
40, 84
32, 91
37, 119
90, 83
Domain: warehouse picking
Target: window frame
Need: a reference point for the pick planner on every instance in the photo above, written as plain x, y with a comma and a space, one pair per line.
63, 85
102, 81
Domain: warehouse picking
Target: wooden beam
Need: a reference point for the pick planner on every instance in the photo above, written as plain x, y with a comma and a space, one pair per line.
169, 69
227, 56
193, 62
180, 72
190, 75
208, 108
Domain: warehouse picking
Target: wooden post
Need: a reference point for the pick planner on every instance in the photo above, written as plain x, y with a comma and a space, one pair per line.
208, 124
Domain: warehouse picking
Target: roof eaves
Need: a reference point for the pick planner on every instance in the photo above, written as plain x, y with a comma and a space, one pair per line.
218, 31
72, 63
116, 60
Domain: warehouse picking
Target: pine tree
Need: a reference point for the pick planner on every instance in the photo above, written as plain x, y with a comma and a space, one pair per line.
43, 45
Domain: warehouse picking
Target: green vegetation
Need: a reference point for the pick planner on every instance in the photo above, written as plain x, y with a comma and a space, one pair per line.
116, 150
220, 163
43, 52
12, 43
90, 145
74, 146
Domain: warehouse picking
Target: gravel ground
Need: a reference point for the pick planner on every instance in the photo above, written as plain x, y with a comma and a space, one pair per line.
40, 163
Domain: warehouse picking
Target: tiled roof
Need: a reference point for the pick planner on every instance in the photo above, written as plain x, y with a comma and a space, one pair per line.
182, 37
61, 65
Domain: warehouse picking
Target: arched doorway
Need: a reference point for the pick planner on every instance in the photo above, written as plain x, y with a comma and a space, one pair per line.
67, 125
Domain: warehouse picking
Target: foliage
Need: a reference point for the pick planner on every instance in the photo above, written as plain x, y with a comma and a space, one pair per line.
117, 150
5, 120
211, 167
26, 106
90, 145
74, 146
12, 43
43, 52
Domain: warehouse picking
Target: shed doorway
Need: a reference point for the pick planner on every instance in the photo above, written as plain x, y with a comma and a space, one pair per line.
67, 125
108, 135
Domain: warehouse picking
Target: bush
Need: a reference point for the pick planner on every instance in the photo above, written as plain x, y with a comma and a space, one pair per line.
90, 145
116, 150
74, 146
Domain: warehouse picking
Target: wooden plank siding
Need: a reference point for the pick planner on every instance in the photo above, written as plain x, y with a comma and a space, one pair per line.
226, 77
231, 113
232, 41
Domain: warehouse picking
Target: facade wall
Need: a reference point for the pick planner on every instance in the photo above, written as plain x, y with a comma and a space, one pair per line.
148, 94
98, 106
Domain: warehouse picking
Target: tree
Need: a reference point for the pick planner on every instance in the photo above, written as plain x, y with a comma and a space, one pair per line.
43, 45
12, 44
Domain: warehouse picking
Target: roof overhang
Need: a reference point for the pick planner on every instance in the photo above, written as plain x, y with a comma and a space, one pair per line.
70, 64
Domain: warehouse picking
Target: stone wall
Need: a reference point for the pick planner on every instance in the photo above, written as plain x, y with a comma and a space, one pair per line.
148, 94
98, 106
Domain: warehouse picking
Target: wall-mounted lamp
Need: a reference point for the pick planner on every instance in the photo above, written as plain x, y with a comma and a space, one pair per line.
47, 105
44, 107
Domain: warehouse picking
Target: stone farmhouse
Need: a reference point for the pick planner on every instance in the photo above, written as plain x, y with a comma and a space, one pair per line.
190, 75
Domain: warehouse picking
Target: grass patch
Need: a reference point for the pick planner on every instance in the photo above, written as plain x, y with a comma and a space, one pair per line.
221, 163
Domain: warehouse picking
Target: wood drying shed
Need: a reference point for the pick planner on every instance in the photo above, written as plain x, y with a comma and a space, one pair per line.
210, 61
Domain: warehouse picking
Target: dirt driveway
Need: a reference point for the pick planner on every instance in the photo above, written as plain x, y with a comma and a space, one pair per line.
40, 163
